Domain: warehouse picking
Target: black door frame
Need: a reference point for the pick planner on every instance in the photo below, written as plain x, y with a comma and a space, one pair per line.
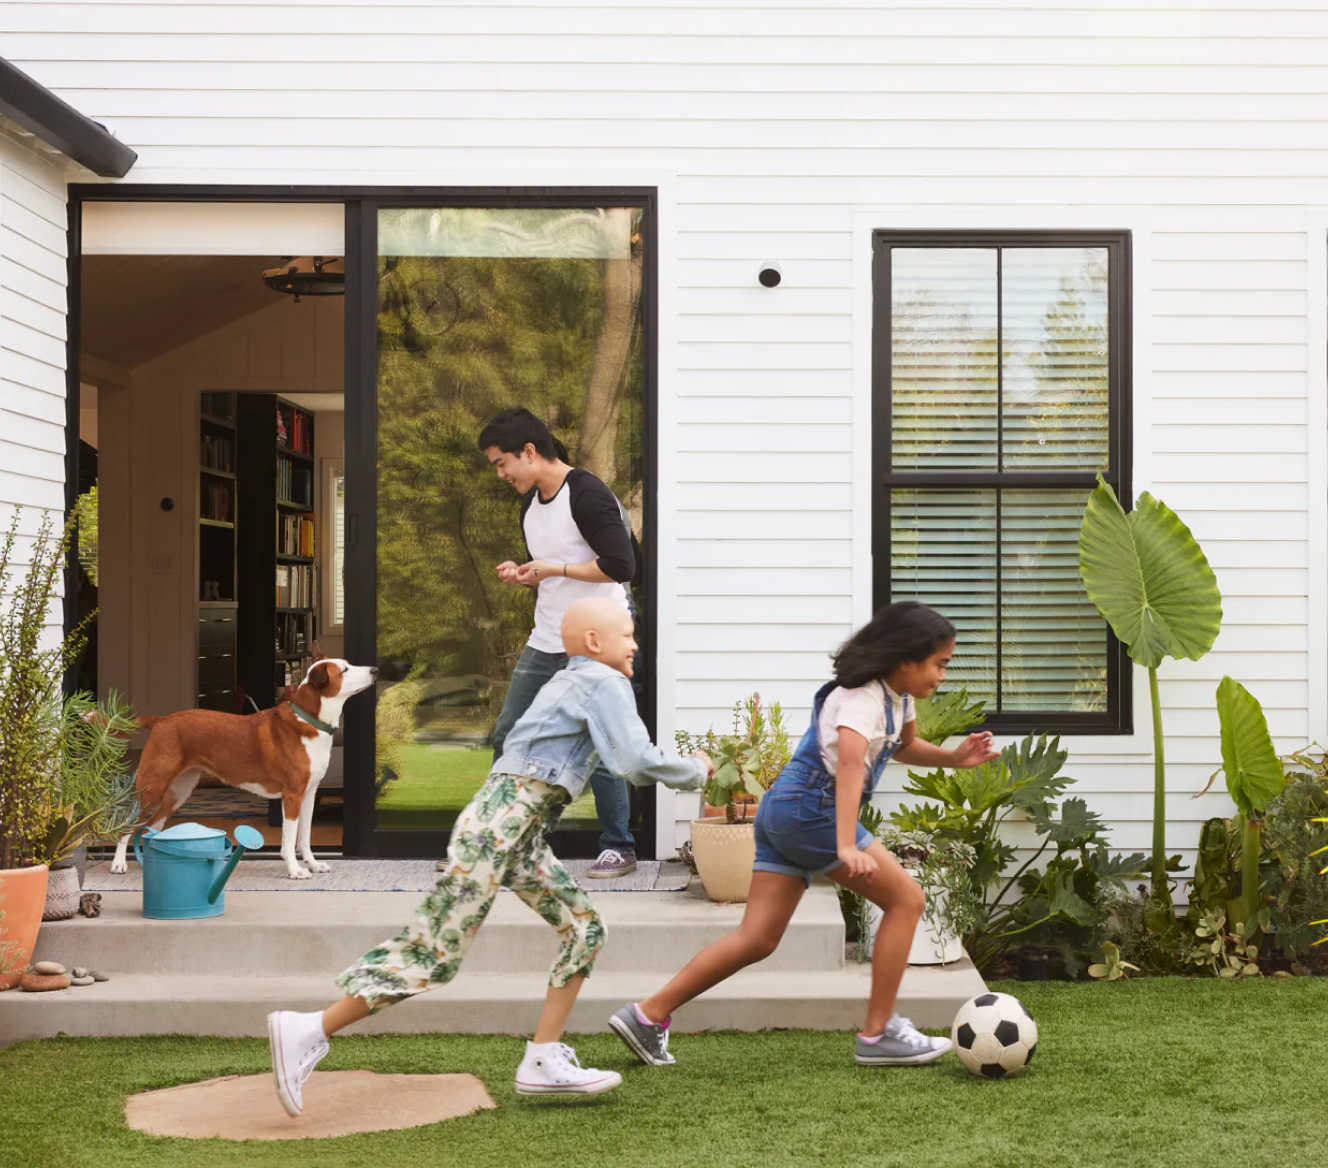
360, 836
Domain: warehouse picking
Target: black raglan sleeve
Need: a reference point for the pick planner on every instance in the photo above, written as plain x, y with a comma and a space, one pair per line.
603, 525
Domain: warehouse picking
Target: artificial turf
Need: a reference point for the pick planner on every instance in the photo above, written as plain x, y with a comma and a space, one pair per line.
1141, 1073
436, 782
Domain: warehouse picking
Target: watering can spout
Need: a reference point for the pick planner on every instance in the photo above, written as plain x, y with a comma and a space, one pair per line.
246, 839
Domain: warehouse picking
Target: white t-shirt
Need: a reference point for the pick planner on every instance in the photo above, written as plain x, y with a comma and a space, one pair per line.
552, 533
864, 710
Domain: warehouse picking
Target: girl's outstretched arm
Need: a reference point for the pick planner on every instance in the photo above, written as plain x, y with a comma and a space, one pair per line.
972, 751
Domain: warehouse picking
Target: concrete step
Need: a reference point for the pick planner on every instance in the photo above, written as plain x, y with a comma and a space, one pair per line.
289, 934
496, 1003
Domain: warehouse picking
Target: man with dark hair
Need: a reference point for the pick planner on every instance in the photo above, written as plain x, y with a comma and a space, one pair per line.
581, 547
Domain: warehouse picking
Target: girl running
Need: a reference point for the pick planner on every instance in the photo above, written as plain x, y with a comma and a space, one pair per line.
807, 824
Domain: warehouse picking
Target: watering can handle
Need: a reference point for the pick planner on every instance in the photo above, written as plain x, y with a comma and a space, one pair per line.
138, 848
246, 838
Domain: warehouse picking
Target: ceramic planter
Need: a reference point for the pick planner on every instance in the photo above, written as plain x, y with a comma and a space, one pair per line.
22, 899
62, 892
928, 947
724, 853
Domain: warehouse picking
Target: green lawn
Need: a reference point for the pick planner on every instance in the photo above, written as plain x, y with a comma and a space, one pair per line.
1161, 1072
436, 782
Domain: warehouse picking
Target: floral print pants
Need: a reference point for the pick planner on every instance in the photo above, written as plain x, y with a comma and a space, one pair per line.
498, 842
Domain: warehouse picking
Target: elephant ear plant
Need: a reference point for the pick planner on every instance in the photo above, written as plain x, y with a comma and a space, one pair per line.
1150, 580
1255, 777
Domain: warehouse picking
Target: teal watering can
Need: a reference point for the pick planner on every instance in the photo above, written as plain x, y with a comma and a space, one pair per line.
185, 869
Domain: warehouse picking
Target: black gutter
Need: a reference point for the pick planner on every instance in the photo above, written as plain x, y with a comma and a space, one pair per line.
56, 122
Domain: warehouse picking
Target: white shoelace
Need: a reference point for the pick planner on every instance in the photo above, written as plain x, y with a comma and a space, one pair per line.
311, 1060
909, 1034
610, 857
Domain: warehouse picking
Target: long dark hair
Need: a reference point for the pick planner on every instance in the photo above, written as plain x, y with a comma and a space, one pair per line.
899, 633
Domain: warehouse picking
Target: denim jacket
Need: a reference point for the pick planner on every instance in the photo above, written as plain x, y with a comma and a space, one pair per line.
586, 714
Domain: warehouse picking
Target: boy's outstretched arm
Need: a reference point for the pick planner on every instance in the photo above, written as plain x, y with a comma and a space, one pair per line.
624, 745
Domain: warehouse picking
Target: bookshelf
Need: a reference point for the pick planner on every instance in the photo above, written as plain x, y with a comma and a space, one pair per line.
218, 490
278, 571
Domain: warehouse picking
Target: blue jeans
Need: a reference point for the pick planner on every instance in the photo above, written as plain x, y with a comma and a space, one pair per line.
612, 805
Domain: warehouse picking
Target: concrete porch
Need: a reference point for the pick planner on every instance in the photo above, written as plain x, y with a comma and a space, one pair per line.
281, 950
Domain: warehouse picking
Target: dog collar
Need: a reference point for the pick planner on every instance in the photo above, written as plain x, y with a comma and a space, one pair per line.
316, 723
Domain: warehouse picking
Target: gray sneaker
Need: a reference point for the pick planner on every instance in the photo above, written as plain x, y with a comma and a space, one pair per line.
648, 1040
900, 1044
611, 864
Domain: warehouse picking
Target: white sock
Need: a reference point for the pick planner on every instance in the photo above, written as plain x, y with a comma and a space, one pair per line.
307, 1028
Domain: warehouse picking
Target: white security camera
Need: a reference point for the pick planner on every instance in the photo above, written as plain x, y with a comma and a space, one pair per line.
770, 275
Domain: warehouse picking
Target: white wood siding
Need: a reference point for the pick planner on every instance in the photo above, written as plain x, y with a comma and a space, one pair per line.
33, 280
1200, 125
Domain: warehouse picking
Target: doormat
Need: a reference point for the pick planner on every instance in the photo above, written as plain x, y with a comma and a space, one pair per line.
223, 803
388, 876
336, 1103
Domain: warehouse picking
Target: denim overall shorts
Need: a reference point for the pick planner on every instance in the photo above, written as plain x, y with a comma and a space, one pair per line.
795, 821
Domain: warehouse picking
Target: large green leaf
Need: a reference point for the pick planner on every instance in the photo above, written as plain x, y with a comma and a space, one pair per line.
1254, 773
1148, 577
942, 716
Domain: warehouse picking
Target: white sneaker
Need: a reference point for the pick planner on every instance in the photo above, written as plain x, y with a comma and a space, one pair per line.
298, 1044
552, 1068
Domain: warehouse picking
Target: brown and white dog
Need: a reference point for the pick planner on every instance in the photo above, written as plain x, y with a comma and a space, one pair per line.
278, 753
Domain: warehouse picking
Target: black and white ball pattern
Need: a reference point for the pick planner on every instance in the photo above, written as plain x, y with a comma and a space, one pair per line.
995, 1036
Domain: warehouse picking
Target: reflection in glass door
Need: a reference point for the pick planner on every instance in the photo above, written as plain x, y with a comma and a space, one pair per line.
480, 309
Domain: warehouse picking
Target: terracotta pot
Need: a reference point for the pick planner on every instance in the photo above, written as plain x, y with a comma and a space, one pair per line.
22, 899
62, 892
724, 853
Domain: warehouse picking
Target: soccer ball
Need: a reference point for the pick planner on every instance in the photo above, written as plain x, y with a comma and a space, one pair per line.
994, 1036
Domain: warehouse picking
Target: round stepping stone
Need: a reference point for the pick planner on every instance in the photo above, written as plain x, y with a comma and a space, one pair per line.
336, 1103
36, 983
82, 981
50, 968
97, 975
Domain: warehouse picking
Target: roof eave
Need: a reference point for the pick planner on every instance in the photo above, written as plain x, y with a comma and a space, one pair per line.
38, 110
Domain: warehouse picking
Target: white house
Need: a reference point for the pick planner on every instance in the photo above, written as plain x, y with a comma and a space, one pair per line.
1010, 240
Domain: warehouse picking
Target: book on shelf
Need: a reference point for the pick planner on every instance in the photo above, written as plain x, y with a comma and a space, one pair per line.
293, 430
295, 586
295, 484
292, 672
295, 535
217, 453
293, 634
217, 502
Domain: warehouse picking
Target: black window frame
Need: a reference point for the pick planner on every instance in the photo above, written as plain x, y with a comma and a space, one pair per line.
1117, 718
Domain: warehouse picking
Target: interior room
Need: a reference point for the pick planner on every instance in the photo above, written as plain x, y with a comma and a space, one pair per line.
212, 488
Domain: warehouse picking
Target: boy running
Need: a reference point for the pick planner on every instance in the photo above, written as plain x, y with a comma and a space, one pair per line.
585, 715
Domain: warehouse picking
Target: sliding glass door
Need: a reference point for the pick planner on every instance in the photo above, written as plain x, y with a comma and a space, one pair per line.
474, 308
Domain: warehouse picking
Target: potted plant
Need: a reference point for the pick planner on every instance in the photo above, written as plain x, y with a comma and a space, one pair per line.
746, 762
92, 800
44, 812
942, 867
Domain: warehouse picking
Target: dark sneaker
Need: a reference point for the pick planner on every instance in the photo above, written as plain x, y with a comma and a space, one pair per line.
900, 1044
611, 864
649, 1041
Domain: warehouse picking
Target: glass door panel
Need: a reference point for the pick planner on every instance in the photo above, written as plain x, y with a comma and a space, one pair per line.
480, 309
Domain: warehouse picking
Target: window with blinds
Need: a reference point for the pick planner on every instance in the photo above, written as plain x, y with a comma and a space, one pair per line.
1000, 378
